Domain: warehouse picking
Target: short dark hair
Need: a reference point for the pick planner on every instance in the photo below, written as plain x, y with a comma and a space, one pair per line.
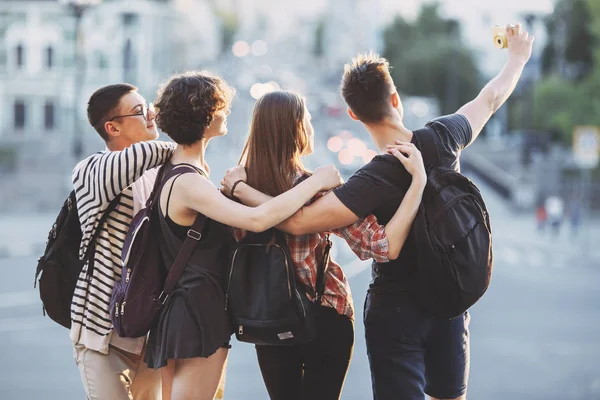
103, 102
186, 104
366, 86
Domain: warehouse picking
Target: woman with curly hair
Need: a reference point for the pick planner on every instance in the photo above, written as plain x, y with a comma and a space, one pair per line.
190, 342
280, 134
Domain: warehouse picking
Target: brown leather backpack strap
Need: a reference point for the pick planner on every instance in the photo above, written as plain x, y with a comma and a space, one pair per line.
322, 272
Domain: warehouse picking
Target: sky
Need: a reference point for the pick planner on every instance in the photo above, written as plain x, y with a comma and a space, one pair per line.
476, 16
468, 7
408, 8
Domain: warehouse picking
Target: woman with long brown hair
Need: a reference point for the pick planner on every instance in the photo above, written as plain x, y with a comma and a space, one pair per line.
190, 341
280, 134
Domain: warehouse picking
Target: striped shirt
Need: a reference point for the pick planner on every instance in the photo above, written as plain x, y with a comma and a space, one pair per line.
97, 180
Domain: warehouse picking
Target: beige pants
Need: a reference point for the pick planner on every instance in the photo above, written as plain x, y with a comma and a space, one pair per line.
117, 376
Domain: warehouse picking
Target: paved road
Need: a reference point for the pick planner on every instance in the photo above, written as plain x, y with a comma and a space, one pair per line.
535, 335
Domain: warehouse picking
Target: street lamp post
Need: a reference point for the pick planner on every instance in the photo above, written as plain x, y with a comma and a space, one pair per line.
78, 7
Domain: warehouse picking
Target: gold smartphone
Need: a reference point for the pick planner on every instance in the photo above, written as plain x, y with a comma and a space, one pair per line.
499, 33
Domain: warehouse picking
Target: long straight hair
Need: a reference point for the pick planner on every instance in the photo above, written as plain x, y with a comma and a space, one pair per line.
276, 142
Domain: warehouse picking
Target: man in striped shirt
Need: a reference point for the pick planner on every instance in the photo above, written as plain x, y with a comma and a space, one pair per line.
112, 367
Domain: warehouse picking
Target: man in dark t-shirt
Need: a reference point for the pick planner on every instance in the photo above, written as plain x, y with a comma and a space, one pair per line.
410, 354
382, 183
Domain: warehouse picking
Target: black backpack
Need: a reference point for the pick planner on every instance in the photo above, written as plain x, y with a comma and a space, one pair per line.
453, 239
263, 299
60, 265
146, 282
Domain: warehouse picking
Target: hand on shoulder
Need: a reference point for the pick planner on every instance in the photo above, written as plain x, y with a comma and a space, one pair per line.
410, 157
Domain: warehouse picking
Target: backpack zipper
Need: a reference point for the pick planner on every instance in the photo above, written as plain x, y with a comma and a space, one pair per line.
449, 204
142, 222
287, 270
128, 274
453, 251
301, 302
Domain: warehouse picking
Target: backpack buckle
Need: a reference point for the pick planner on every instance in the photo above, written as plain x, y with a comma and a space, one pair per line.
194, 234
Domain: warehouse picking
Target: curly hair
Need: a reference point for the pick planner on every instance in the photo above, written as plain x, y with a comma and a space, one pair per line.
186, 104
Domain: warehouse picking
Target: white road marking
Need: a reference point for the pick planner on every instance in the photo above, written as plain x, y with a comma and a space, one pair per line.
15, 324
20, 299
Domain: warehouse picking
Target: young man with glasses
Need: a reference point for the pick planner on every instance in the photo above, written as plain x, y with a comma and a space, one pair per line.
112, 367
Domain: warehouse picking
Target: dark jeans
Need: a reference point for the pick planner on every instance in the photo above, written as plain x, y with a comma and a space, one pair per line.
411, 354
314, 371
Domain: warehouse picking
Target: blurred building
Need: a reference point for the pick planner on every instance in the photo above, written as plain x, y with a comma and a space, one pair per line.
326, 33
137, 41
352, 26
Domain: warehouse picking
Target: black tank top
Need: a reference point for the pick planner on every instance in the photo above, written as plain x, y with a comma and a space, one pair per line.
180, 231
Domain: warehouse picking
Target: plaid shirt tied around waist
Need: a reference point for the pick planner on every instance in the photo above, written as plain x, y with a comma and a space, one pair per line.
366, 239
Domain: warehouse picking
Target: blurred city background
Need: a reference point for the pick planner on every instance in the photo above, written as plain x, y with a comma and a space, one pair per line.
536, 333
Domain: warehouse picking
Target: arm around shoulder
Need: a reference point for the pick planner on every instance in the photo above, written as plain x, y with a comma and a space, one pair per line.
205, 198
112, 171
320, 216
325, 214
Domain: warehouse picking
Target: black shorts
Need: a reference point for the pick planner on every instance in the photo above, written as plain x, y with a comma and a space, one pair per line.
411, 354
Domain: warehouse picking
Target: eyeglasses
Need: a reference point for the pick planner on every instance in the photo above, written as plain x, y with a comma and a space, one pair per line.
144, 112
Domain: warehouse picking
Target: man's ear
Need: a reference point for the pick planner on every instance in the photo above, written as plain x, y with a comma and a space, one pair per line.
395, 99
112, 129
352, 115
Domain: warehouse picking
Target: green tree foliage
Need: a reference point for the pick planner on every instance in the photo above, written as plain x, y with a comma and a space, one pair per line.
594, 7
229, 26
8, 158
570, 96
429, 59
560, 105
581, 41
572, 43
319, 39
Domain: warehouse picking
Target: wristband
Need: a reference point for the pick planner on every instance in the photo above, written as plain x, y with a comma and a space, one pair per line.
234, 186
